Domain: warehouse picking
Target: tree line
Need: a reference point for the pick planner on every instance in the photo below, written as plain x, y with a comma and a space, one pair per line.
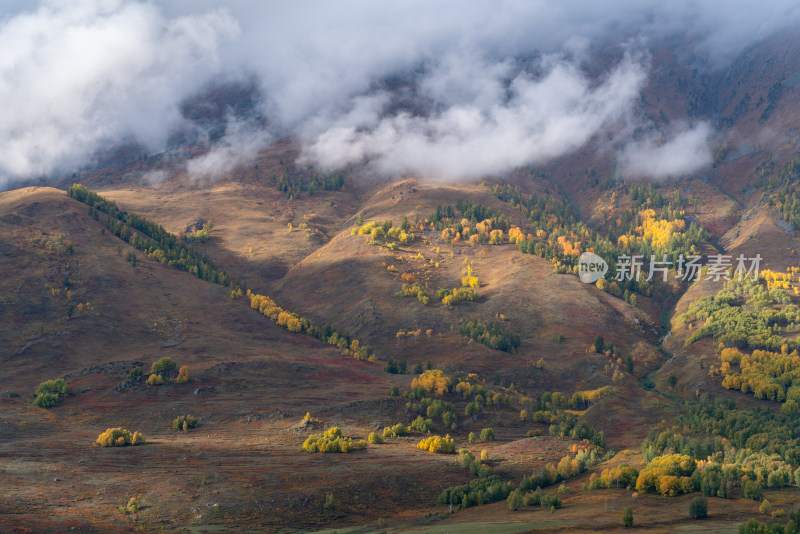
152, 238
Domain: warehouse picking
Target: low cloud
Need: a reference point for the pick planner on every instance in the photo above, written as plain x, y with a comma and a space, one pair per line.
492, 126
684, 152
240, 145
495, 84
76, 77
155, 177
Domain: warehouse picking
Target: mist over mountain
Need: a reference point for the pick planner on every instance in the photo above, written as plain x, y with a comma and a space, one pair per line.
441, 90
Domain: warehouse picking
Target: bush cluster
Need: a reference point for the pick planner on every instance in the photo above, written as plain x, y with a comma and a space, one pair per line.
438, 444
166, 370
50, 393
493, 335
332, 440
669, 475
395, 431
119, 437
184, 423
297, 324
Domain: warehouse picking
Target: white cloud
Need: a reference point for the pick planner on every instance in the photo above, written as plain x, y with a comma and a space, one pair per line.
77, 75
490, 129
499, 81
240, 145
685, 152
155, 177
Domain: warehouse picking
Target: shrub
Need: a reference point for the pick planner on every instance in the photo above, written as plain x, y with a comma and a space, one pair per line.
751, 489
134, 373
458, 294
184, 423
332, 440
698, 509
421, 425
553, 501
310, 420
50, 393
164, 365
393, 392
487, 434
200, 235
627, 517
46, 400
155, 380
415, 290
438, 445
493, 335
133, 506
394, 431
765, 506
374, 438
183, 375
119, 437
471, 438
330, 502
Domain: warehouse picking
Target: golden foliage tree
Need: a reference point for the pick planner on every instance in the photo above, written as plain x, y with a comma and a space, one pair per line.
438, 445
183, 375
434, 381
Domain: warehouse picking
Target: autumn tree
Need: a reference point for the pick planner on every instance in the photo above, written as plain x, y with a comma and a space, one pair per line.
433, 381
668, 475
438, 445
183, 375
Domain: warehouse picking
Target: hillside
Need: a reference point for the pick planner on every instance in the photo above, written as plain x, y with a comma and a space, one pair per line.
251, 379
